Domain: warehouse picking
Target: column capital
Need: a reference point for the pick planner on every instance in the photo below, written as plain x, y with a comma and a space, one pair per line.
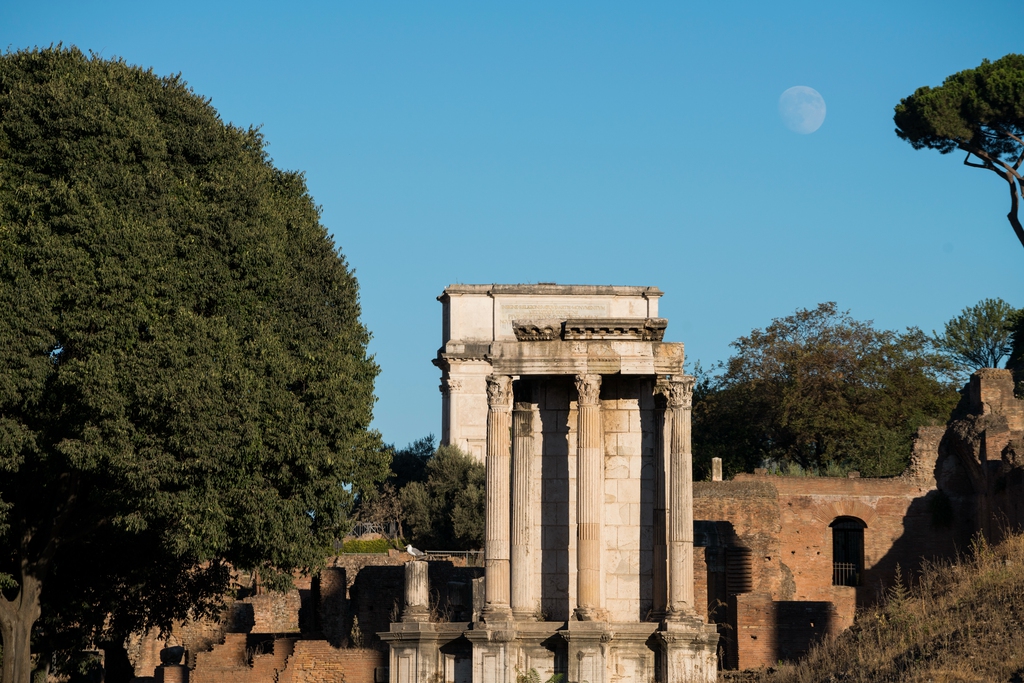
499, 392
450, 385
679, 392
589, 389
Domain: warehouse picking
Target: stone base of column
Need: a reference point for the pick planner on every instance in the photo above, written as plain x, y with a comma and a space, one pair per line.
496, 615
688, 651
600, 651
590, 614
415, 656
495, 652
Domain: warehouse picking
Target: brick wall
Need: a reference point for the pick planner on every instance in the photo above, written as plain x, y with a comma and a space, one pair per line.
767, 631
330, 593
315, 661
784, 524
275, 612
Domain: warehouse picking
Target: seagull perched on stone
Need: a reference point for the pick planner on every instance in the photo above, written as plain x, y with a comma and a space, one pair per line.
415, 552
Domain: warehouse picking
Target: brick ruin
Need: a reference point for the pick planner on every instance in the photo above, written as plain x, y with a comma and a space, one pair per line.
324, 630
782, 561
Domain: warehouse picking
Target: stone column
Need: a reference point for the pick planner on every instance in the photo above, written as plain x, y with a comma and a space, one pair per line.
659, 574
417, 592
496, 533
589, 497
522, 506
680, 528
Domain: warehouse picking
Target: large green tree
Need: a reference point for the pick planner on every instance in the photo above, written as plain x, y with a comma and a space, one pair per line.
818, 388
184, 380
980, 336
978, 111
445, 511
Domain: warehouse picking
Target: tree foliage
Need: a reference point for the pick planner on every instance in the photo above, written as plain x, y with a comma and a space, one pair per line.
978, 111
183, 375
410, 463
818, 388
981, 336
446, 511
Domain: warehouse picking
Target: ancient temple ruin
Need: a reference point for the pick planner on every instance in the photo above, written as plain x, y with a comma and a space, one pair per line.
581, 413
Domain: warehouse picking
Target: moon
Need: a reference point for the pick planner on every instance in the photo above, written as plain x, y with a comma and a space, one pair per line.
802, 109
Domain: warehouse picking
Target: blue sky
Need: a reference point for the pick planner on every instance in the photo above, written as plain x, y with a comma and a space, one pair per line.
597, 143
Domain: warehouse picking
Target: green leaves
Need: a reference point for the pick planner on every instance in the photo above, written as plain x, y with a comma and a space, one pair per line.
446, 511
976, 107
182, 366
821, 390
979, 111
981, 336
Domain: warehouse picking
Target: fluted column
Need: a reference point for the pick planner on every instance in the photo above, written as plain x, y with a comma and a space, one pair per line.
496, 540
589, 496
417, 592
522, 506
680, 531
661, 472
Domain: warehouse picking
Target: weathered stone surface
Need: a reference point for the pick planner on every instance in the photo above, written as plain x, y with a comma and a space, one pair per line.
571, 513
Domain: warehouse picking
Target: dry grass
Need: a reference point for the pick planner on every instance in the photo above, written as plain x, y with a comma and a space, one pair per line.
961, 621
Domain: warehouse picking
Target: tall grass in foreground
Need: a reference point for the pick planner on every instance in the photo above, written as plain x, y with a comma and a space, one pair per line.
961, 621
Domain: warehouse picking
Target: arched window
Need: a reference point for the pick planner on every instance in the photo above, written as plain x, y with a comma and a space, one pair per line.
847, 551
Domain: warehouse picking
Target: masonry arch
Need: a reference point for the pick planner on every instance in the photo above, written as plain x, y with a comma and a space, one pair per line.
847, 550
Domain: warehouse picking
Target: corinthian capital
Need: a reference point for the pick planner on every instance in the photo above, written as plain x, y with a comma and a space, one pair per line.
679, 392
499, 391
450, 385
589, 389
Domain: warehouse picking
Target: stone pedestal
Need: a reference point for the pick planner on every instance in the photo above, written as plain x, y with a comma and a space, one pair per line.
588, 650
688, 651
607, 652
414, 652
494, 652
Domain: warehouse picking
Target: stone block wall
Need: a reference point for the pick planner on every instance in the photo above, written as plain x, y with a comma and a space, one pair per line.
627, 416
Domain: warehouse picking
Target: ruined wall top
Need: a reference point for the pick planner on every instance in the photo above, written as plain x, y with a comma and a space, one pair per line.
485, 313
990, 390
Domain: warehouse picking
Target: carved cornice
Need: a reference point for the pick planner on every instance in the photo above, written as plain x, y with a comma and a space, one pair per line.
589, 389
537, 330
499, 392
624, 329
679, 392
635, 329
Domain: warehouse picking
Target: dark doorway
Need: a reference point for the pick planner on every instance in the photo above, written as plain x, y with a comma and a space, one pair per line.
847, 551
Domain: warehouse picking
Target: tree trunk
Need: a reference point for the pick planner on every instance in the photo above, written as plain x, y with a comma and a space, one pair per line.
1013, 216
17, 617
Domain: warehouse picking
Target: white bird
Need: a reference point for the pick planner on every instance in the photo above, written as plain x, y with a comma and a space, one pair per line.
414, 551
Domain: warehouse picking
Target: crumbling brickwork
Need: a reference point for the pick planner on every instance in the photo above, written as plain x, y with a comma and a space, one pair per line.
259, 639
315, 661
768, 555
